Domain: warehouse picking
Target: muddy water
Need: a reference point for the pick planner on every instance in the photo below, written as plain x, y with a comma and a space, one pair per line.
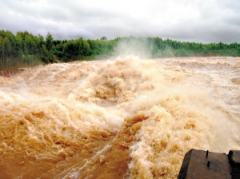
123, 118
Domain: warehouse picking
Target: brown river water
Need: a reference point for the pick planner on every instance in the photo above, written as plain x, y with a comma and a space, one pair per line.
122, 118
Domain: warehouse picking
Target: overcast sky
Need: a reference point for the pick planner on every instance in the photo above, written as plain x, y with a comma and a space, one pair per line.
186, 20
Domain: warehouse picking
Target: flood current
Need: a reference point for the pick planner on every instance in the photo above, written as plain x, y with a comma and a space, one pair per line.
121, 118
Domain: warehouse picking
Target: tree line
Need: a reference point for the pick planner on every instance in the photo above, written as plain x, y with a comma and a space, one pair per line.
26, 49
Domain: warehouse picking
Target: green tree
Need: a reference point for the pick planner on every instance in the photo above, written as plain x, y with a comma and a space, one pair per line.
48, 49
2, 49
103, 38
49, 41
19, 44
7, 46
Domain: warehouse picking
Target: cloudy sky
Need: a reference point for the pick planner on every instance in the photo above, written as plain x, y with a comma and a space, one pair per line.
186, 20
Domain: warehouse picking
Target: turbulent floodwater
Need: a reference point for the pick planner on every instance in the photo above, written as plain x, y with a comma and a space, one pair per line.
123, 118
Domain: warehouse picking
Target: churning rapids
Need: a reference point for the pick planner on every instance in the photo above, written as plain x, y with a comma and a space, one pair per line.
123, 118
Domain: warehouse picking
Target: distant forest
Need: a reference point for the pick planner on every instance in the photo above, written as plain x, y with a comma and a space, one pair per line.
25, 49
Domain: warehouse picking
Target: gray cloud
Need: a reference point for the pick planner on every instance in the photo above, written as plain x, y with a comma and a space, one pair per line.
186, 20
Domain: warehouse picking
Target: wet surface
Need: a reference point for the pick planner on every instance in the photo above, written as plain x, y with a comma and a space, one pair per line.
124, 118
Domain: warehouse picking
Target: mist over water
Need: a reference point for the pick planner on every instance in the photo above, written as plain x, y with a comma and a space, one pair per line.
140, 47
123, 118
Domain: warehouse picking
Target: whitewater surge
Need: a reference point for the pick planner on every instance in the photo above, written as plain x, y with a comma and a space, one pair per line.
123, 118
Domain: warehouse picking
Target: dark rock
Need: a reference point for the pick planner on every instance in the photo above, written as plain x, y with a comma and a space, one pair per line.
198, 164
